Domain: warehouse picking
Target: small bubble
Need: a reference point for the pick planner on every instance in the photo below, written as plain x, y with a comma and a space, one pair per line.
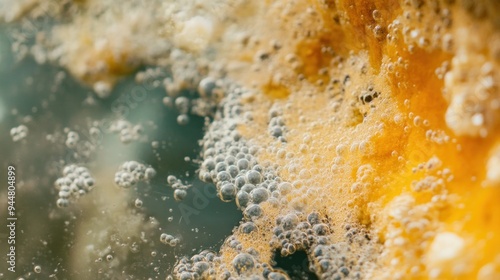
183, 119
180, 194
182, 104
206, 87
155, 144
417, 120
149, 173
37, 269
62, 203
167, 101
138, 203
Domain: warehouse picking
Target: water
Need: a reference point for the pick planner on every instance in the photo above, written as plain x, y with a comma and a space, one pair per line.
102, 235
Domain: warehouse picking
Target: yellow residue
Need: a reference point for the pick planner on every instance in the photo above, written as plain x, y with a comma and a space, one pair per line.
396, 168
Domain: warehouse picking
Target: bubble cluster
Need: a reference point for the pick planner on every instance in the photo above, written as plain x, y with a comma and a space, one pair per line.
169, 240
72, 139
76, 182
312, 172
230, 162
276, 125
133, 172
298, 232
18, 133
192, 75
201, 265
127, 131
245, 264
203, 105
180, 189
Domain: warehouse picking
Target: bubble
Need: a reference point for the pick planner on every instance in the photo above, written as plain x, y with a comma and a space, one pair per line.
80, 170
94, 132
233, 151
62, 203
248, 188
344, 270
165, 238
247, 227
235, 135
223, 176
72, 139
74, 188
230, 160
277, 276
138, 203
173, 242
276, 131
183, 119
150, 173
220, 166
206, 87
64, 194
227, 192
37, 269
130, 165
254, 177
378, 32
76, 181
180, 194
243, 263
71, 143
89, 182
171, 179
186, 276
167, 101
259, 195
313, 218
241, 155
258, 168
233, 171
321, 229
242, 199
73, 135
18, 133
182, 104
132, 172
240, 181
59, 183
285, 188
253, 211
290, 221
68, 169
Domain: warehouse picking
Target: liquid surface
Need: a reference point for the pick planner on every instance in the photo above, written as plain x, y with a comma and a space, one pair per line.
356, 139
